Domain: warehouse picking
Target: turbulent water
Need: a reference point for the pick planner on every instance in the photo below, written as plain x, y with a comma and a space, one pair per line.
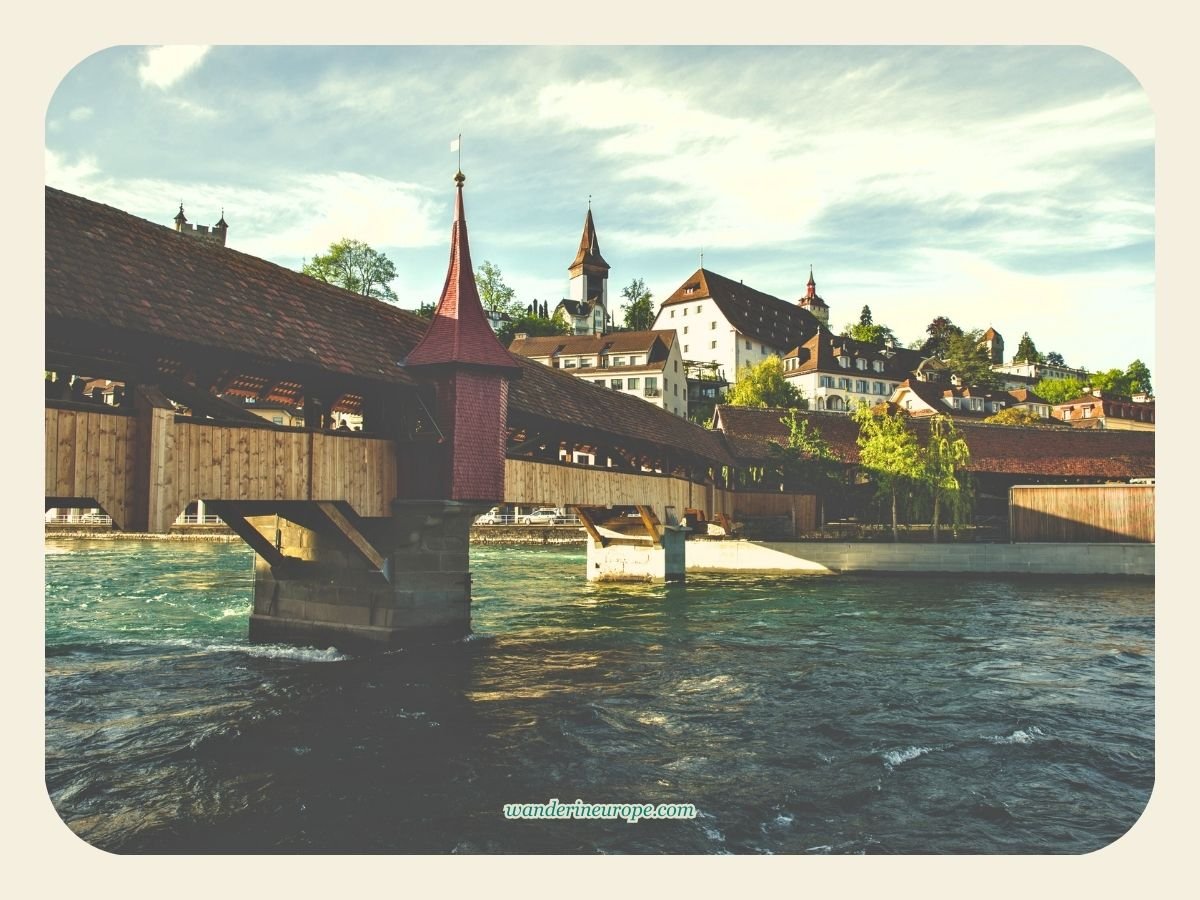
799, 715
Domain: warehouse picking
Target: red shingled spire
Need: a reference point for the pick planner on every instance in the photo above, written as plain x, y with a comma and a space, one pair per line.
460, 332
812, 286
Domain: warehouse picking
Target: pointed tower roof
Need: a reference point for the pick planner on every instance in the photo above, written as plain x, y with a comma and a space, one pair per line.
460, 333
180, 218
589, 247
812, 283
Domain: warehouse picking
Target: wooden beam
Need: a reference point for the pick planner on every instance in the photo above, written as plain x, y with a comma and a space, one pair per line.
650, 521
356, 538
589, 525
232, 517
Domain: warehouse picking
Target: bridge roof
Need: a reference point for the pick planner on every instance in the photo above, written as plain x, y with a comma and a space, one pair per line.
115, 279
995, 449
111, 273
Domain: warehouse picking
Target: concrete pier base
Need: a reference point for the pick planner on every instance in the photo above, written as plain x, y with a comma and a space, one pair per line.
387, 583
630, 560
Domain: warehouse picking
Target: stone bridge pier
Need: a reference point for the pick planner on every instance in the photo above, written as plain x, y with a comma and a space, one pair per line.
633, 549
326, 583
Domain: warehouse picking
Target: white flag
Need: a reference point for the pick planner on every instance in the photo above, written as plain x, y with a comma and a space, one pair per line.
454, 145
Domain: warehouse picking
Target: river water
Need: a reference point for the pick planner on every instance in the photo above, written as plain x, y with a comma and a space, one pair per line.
799, 715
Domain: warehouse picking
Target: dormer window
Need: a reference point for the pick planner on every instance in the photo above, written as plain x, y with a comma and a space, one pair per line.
861, 363
877, 365
844, 362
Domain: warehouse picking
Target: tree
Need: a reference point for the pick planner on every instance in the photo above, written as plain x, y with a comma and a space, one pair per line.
1059, 390
495, 295
939, 330
943, 462
426, 310
639, 311
355, 266
1026, 351
1111, 381
889, 453
808, 463
967, 358
763, 385
534, 326
868, 331
1054, 358
1015, 415
1138, 377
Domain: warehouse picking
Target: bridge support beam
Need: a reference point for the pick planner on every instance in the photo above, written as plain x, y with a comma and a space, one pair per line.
370, 584
658, 554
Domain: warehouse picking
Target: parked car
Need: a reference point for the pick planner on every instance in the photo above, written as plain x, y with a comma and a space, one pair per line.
546, 515
493, 516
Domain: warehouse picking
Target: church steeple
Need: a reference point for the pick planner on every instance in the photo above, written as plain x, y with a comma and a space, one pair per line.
589, 274
814, 304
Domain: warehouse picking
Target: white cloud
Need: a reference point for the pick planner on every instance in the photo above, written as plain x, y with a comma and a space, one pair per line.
80, 114
296, 214
748, 181
163, 66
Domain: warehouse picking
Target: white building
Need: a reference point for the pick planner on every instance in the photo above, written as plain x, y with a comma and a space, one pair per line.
722, 321
645, 364
838, 373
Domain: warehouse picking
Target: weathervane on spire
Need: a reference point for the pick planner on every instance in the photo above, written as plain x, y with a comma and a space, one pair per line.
456, 147
702, 257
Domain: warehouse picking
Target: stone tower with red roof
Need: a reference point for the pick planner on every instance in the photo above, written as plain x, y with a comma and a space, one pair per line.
470, 369
814, 304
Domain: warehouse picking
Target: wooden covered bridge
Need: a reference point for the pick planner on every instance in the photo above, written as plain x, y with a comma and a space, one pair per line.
360, 536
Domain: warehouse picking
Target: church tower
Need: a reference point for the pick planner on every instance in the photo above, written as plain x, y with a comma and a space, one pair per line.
589, 277
814, 304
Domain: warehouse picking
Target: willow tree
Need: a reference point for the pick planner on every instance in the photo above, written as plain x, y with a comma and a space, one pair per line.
943, 464
889, 452
764, 385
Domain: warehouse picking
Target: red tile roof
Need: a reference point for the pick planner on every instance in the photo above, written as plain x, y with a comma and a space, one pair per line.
583, 344
995, 449
460, 333
589, 247
760, 316
108, 273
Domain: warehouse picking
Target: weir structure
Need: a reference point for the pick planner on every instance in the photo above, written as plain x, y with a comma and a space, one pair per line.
360, 537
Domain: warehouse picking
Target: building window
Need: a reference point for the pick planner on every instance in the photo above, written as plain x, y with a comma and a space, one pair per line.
844, 362
860, 386
712, 326
844, 384
601, 382
672, 314
585, 362
278, 420
1087, 412
685, 348
826, 381
651, 387
699, 307
619, 361
568, 363
676, 365
685, 329
633, 383
617, 384
677, 389
877, 365
880, 387
861, 363
685, 310
713, 345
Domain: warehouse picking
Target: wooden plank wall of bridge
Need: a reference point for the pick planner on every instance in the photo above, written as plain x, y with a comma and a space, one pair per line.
1090, 513
529, 483
96, 454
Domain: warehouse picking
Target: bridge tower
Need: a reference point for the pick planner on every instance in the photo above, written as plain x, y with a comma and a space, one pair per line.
406, 578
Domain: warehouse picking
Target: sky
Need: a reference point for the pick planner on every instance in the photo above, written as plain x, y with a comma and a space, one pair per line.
1005, 186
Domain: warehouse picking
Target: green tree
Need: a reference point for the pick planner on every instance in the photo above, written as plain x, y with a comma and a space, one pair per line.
426, 310
1110, 381
943, 463
1138, 378
889, 453
639, 310
534, 326
1026, 351
495, 295
940, 331
1055, 358
1059, 390
967, 358
764, 385
1015, 415
355, 266
868, 331
807, 462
